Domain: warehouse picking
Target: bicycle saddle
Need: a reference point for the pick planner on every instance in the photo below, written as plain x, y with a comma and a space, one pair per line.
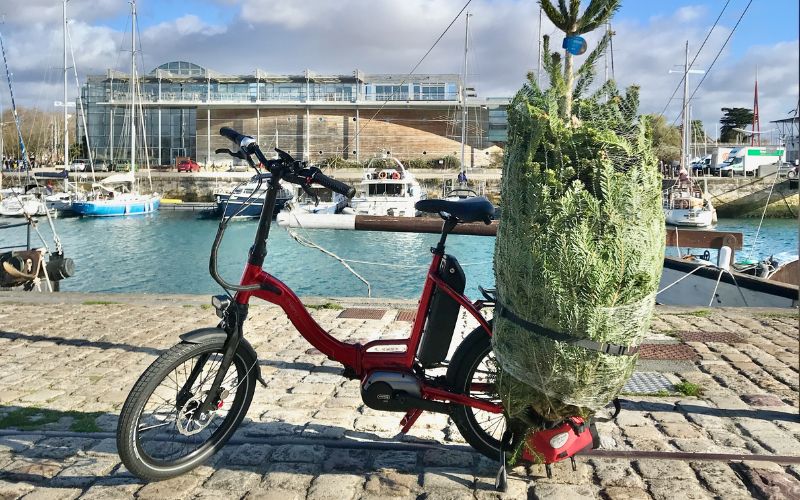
465, 210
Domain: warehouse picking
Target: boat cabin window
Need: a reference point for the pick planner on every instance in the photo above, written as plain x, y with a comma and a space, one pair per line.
386, 190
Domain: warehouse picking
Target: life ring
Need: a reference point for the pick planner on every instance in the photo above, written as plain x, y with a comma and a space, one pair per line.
382, 175
395, 175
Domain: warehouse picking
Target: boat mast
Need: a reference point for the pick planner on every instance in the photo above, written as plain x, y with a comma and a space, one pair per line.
684, 113
66, 130
464, 96
133, 87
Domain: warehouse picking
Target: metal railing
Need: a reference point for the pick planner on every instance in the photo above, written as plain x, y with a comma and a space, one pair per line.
299, 97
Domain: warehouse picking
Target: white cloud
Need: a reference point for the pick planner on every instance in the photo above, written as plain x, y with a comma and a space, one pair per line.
185, 26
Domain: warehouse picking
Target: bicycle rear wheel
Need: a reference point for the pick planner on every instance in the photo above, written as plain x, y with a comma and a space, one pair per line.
159, 436
472, 372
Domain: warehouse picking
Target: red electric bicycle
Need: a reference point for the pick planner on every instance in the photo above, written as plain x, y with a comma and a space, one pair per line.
191, 399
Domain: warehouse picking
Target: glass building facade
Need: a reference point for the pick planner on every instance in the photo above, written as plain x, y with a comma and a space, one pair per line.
176, 94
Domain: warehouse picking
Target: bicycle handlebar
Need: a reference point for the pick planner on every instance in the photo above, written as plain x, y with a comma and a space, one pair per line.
247, 146
332, 184
233, 136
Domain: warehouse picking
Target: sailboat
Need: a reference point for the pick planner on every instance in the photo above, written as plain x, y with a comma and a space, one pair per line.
683, 202
118, 194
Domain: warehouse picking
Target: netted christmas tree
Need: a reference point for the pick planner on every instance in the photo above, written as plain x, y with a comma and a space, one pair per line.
580, 245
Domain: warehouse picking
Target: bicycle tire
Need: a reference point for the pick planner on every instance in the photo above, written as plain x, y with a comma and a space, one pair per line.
136, 458
482, 432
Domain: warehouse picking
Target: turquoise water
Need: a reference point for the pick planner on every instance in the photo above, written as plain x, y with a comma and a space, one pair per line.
168, 253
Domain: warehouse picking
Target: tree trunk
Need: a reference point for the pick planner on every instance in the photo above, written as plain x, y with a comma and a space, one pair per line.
569, 78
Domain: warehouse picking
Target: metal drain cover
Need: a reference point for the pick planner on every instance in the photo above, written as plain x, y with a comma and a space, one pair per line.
647, 383
405, 315
362, 313
667, 352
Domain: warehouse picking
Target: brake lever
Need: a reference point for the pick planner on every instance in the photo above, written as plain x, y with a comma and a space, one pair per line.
310, 193
238, 154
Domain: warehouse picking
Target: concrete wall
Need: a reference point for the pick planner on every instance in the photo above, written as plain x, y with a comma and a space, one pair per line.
406, 133
746, 196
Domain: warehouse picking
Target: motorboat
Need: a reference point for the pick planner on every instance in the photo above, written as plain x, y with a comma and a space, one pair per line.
22, 205
387, 188
305, 210
247, 200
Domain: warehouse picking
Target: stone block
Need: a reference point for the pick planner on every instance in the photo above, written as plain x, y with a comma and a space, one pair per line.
624, 493
335, 487
664, 469
616, 473
391, 484
448, 458
298, 453
553, 491
341, 459
402, 461
176, 488
295, 476
229, 480
449, 479
669, 489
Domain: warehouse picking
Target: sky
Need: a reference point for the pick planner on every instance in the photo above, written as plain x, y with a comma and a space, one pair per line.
390, 36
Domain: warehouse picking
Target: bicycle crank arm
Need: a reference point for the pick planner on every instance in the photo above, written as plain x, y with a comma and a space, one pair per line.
414, 402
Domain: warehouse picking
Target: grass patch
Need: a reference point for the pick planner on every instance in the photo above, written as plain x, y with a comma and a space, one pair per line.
99, 302
776, 314
28, 419
700, 313
205, 306
689, 389
187, 305
327, 305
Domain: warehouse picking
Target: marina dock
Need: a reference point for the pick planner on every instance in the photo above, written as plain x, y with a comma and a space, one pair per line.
68, 361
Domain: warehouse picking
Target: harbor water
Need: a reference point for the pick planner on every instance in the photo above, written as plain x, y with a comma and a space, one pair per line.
168, 252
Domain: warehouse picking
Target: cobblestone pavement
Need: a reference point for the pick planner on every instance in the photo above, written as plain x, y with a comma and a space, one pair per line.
68, 361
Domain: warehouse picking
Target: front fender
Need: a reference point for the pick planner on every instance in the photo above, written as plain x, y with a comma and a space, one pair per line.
202, 335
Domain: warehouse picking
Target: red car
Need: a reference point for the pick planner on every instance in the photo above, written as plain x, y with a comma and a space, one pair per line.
188, 166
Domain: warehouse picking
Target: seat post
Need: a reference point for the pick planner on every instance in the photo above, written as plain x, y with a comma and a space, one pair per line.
450, 223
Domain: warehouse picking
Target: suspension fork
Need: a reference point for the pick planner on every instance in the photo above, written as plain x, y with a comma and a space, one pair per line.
184, 394
235, 315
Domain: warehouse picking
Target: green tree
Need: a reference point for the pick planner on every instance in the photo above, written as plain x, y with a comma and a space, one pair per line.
665, 138
734, 118
567, 19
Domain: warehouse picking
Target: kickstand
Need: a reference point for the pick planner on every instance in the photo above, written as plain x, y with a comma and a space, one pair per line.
549, 471
501, 481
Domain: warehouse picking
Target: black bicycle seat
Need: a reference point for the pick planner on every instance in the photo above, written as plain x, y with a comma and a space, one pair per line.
465, 210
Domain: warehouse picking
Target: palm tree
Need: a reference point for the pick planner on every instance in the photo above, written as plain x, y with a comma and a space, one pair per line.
566, 18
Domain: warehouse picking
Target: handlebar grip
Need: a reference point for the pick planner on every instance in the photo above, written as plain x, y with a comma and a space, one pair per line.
332, 184
232, 135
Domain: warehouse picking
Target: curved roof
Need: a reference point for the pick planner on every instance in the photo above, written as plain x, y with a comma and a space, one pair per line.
181, 68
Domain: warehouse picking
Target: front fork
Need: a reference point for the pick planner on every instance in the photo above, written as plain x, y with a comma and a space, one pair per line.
233, 316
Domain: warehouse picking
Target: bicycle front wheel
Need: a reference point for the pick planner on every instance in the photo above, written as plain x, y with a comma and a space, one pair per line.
159, 435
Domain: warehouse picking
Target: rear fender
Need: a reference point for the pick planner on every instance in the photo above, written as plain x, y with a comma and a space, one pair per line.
203, 335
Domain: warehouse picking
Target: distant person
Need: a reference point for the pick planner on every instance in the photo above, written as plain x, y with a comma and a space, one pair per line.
683, 175
462, 177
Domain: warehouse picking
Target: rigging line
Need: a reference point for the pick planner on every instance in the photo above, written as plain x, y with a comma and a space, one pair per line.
705, 75
691, 63
763, 214
80, 104
405, 78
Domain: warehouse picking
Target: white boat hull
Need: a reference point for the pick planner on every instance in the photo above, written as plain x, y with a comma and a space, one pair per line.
688, 218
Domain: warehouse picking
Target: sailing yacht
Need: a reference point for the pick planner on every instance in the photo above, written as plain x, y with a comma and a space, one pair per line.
118, 194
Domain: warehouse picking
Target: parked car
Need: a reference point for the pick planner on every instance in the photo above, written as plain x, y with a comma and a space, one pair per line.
102, 165
188, 166
78, 165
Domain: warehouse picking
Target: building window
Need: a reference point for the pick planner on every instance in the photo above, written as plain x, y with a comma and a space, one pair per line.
391, 92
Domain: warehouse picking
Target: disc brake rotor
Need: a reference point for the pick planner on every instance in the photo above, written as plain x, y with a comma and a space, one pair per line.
188, 422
